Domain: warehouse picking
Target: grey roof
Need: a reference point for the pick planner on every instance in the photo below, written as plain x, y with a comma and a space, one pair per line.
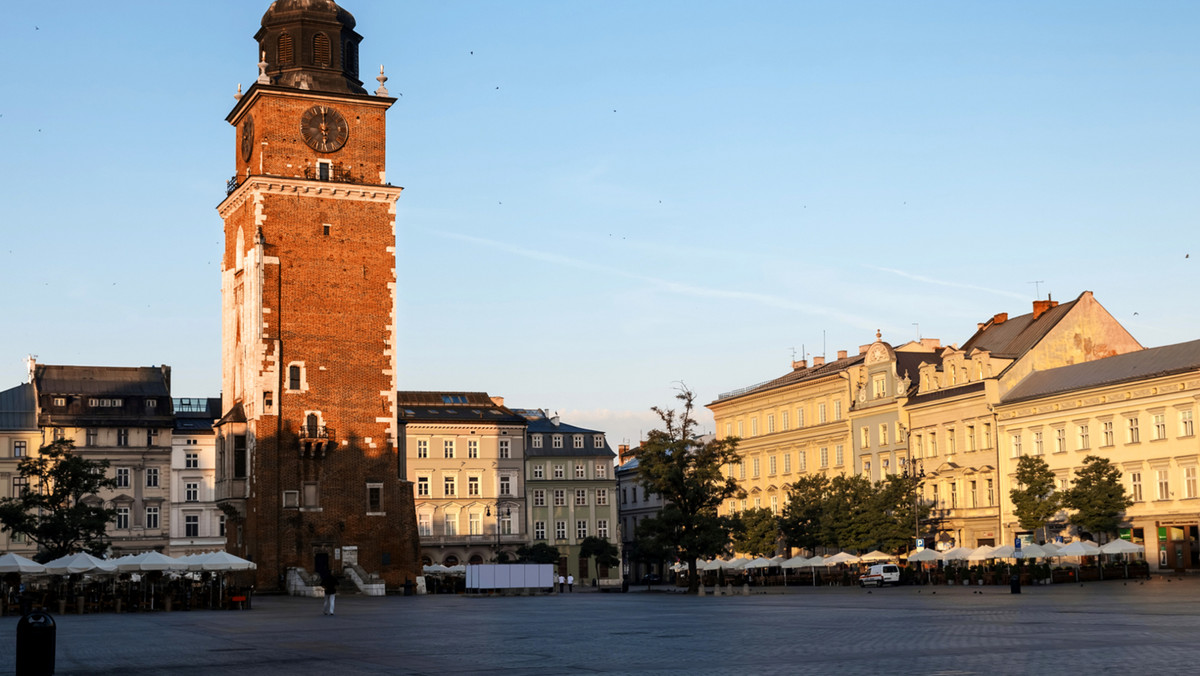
18, 408
453, 407
1015, 336
539, 423
796, 376
117, 381
1142, 365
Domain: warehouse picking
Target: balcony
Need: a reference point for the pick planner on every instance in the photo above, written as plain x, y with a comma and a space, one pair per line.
316, 440
317, 432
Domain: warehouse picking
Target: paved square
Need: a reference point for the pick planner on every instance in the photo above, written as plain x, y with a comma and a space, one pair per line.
1110, 627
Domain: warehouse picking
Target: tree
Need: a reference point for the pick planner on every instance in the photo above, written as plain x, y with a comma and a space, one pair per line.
51, 511
756, 532
538, 553
1034, 500
686, 471
893, 520
604, 552
802, 514
1097, 496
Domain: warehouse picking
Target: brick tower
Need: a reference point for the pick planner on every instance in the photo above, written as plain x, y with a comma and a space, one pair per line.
308, 472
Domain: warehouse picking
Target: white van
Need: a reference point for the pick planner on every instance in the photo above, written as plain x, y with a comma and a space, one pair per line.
880, 575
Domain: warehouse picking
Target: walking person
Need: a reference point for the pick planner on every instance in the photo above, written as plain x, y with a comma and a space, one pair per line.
562, 584
329, 584
570, 583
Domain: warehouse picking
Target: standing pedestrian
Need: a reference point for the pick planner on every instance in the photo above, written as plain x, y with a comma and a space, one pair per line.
570, 583
329, 584
562, 584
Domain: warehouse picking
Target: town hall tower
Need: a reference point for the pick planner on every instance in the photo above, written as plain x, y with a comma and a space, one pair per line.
309, 473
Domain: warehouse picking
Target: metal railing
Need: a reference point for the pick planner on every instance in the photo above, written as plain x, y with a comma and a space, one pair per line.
316, 432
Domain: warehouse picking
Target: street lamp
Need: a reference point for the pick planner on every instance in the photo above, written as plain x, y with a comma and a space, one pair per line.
507, 513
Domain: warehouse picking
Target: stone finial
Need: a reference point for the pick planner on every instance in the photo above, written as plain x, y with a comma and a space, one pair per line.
238, 95
262, 70
382, 91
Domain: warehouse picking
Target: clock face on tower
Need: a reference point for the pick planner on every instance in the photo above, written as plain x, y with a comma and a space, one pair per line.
324, 129
247, 138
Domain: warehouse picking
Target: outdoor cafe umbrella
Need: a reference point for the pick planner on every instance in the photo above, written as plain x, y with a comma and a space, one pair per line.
148, 561
980, 553
760, 562
956, 554
1003, 552
81, 562
220, 561
1079, 548
876, 556
925, 555
841, 557
1122, 547
797, 561
15, 563
1036, 551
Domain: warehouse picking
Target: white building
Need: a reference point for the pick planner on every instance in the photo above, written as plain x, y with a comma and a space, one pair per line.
197, 524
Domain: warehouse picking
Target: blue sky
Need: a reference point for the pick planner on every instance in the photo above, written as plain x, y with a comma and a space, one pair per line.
604, 199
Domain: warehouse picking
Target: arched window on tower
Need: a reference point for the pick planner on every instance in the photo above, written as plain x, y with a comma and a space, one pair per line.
285, 51
321, 50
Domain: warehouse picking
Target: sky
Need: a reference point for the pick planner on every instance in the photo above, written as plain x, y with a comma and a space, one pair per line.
606, 201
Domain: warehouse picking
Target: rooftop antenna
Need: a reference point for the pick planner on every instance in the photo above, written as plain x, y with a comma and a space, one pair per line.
1037, 288
793, 353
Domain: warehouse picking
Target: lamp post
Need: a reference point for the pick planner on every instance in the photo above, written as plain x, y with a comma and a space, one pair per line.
507, 514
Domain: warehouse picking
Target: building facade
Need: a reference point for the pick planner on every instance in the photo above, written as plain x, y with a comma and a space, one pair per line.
308, 465
635, 505
465, 454
19, 438
571, 491
197, 524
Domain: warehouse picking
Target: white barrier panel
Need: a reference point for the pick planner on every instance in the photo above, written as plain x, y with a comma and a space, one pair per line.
510, 576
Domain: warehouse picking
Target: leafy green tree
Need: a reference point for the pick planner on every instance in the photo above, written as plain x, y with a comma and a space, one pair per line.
893, 520
756, 532
538, 553
845, 522
803, 512
51, 511
686, 472
1034, 501
1097, 496
604, 552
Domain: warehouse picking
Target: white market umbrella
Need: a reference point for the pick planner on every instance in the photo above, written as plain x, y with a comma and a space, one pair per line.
980, 553
1051, 550
1122, 547
220, 561
1036, 551
1080, 548
148, 561
436, 569
956, 554
15, 563
82, 562
841, 557
734, 564
925, 555
1003, 552
797, 561
759, 563
876, 556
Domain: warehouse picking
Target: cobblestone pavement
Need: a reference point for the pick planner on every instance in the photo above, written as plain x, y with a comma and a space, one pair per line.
1110, 627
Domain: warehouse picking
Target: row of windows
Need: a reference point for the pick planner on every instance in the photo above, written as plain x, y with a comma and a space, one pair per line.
122, 436
822, 417
308, 497
559, 471
1162, 484
506, 521
103, 402
321, 52
839, 459
559, 495
560, 529
735, 506
1082, 440
450, 448
977, 437
191, 522
450, 486
151, 474
556, 440
949, 498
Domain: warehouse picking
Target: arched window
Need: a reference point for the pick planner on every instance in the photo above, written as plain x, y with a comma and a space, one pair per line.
310, 424
285, 52
294, 381
321, 49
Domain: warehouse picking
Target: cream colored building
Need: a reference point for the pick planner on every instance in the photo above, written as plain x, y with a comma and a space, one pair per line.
1139, 411
464, 453
19, 438
953, 424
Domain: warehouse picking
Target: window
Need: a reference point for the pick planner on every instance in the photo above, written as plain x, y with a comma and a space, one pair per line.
1016, 446
1189, 482
122, 477
539, 497
799, 417
321, 49
294, 379
932, 444
987, 436
741, 430
423, 486
151, 477
824, 456
839, 458
1108, 433
864, 438
450, 524
771, 465
971, 438
151, 437
475, 524
741, 471
754, 467
883, 435
867, 468
505, 449
837, 410
802, 460
375, 498
878, 386
918, 444
1037, 444
581, 497
422, 448
770, 423
191, 490
58, 434
505, 485
787, 463
1060, 440
473, 486
506, 523
580, 472
774, 504
633, 494
284, 50
581, 529
602, 497
424, 524
602, 528
784, 420
536, 441
60, 401
953, 495
291, 499
221, 525
598, 441
1160, 426
539, 471
951, 441
560, 497
1132, 434
556, 441
91, 436
473, 448
539, 530
601, 470
449, 487
1185, 424
152, 518
448, 448
991, 493
1085, 438
973, 495
1135, 482
105, 403
122, 518
19, 449
577, 441
123, 436
560, 530
311, 493
1164, 485
560, 471
821, 413
754, 427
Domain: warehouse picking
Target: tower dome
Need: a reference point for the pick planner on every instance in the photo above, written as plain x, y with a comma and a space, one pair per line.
310, 44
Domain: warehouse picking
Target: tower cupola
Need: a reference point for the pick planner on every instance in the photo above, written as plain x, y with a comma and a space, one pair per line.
310, 44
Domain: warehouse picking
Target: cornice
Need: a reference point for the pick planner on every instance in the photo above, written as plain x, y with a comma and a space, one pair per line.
258, 91
280, 185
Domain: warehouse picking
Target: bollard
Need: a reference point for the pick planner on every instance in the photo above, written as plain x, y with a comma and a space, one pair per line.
1014, 583
746, 589
36, 636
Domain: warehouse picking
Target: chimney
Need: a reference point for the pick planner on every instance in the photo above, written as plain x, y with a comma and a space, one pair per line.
862, 349
818, 361
799, 365
1040, 307
841, 354
1000, 318
499, 401
623, 453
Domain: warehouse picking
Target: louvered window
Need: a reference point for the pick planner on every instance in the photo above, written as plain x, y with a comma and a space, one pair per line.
286, 54
350, 56
321, 50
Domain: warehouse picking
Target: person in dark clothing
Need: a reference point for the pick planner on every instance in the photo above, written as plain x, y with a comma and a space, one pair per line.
329, 584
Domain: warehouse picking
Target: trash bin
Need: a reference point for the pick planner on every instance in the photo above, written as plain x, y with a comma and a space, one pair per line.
1014, 583
36, 637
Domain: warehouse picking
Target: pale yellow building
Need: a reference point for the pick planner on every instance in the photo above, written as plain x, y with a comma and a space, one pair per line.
953, 424
1139, 411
